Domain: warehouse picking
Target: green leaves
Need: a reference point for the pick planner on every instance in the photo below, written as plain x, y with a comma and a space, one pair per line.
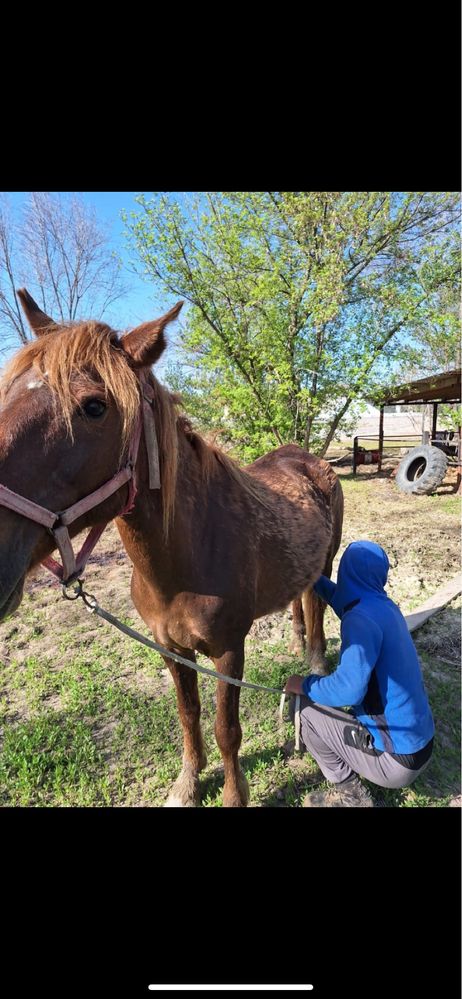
297, 300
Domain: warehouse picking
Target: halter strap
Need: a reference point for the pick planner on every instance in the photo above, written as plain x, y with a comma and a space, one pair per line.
18, 503
57, 523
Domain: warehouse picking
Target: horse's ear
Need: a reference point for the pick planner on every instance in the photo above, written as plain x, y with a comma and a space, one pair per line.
145, 344
38, 321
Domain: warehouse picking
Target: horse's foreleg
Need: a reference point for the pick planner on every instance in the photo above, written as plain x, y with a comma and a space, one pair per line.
185, 791
297, 642
313, 609
228, 731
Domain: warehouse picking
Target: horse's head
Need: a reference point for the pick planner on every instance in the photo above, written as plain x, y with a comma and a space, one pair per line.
68, 405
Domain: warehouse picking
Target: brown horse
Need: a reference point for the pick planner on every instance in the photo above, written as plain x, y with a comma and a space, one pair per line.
214, 548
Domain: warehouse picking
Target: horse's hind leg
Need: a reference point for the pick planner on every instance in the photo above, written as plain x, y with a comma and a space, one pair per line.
297, 642
185, 791
313, 609
228, 731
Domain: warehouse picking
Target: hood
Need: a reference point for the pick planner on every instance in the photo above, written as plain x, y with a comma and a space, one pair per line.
362, 572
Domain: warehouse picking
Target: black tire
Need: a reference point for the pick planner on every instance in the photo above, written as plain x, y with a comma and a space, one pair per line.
421, 470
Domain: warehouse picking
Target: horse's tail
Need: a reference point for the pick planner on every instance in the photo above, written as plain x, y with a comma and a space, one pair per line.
337, 508
308, 609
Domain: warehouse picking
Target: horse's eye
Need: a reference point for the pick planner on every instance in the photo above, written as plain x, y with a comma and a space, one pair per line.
94, 408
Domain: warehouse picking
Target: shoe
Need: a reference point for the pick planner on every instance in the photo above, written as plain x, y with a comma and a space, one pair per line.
349, 794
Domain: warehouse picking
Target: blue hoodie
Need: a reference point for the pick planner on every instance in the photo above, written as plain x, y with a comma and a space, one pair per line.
379, 673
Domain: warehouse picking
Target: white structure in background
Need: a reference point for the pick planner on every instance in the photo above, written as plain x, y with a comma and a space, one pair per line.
397, 421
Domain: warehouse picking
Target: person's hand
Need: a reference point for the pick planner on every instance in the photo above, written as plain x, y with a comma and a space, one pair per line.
294, 685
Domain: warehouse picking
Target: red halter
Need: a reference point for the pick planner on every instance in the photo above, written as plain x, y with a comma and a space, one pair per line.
57, 523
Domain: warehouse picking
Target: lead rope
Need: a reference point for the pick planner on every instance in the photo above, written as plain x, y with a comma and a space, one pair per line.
93, 606
297, 723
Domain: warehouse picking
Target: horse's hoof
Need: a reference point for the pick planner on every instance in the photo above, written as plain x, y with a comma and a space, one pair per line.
297, 648
318, 665
185, 792
237, 796
174, 801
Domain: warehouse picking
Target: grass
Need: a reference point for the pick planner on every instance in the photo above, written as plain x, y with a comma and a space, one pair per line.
87, 718
99, 743
52, 760
450, 504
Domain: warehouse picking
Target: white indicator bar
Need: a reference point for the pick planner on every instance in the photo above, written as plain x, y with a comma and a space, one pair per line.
230, 988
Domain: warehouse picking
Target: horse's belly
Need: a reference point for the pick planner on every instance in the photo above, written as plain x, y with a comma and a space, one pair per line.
206, 623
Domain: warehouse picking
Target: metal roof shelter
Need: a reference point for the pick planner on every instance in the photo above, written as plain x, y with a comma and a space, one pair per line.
445, 387
434, 389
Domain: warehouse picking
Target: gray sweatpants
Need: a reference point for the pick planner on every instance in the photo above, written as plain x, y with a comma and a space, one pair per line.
342, 746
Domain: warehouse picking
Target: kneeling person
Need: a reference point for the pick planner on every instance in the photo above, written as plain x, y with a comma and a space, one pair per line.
388, 738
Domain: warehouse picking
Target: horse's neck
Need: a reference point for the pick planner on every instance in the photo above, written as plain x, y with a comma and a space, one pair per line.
155, 556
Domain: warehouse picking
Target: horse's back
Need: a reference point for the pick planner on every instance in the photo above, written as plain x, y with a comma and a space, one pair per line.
290, 459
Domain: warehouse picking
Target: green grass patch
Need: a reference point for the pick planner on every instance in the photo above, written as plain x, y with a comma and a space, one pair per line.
87, 719
52, 760
106, 743
449, 504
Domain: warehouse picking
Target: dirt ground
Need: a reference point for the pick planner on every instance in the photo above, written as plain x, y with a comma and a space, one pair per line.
421, 536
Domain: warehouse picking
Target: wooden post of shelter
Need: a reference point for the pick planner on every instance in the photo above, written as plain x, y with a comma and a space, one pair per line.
458, 486
425, 433
434, 421
379, 465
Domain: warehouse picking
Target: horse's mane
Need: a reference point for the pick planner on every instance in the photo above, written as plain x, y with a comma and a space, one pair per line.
93, 349
211, 457
81, 348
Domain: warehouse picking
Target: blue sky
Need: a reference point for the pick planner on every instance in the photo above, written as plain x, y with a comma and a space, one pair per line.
141, 302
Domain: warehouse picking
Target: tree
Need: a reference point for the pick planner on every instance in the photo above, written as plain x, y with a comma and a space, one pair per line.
300, 302
59, 250
435, 345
